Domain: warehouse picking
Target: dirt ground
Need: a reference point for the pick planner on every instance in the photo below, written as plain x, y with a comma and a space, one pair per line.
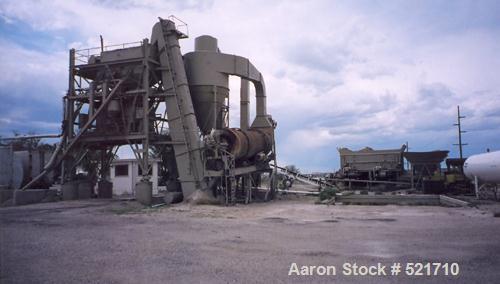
111, 241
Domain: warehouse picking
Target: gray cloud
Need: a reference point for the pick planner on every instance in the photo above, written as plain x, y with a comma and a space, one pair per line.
315, 56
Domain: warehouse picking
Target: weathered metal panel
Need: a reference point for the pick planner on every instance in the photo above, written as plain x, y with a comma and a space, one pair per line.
432, 157
368, 159
122, 54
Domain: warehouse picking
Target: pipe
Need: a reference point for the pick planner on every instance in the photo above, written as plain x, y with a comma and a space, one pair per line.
299, 192
32, 136
244, 104
216, 66
241, 66
476, 187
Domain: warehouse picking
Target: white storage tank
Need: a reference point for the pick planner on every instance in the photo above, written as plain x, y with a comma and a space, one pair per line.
209, 89
486, 167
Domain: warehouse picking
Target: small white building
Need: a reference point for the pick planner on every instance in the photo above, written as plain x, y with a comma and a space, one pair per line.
125, 173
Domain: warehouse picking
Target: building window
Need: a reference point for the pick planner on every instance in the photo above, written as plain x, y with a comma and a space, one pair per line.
121, 170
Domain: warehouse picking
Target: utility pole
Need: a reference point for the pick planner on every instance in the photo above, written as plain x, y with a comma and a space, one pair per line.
407, 150
409, 167
460, 131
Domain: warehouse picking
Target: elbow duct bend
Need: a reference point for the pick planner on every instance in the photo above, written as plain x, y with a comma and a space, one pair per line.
208, 72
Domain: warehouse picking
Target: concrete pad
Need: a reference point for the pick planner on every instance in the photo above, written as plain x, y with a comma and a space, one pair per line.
6, 194
450, 201
263, 239
29, 196
410, 199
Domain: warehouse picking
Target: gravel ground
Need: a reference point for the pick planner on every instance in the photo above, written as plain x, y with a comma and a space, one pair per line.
99, 241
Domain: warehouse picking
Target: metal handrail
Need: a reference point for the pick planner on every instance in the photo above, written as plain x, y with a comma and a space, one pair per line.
83, 55
179, 25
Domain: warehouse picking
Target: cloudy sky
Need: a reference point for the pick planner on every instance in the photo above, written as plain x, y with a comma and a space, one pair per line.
338, 73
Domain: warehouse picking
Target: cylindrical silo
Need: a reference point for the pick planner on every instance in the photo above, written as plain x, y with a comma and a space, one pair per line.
208, 89
29, 164
20, 168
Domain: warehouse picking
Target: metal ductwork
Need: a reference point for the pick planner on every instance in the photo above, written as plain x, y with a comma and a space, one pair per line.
208, 71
